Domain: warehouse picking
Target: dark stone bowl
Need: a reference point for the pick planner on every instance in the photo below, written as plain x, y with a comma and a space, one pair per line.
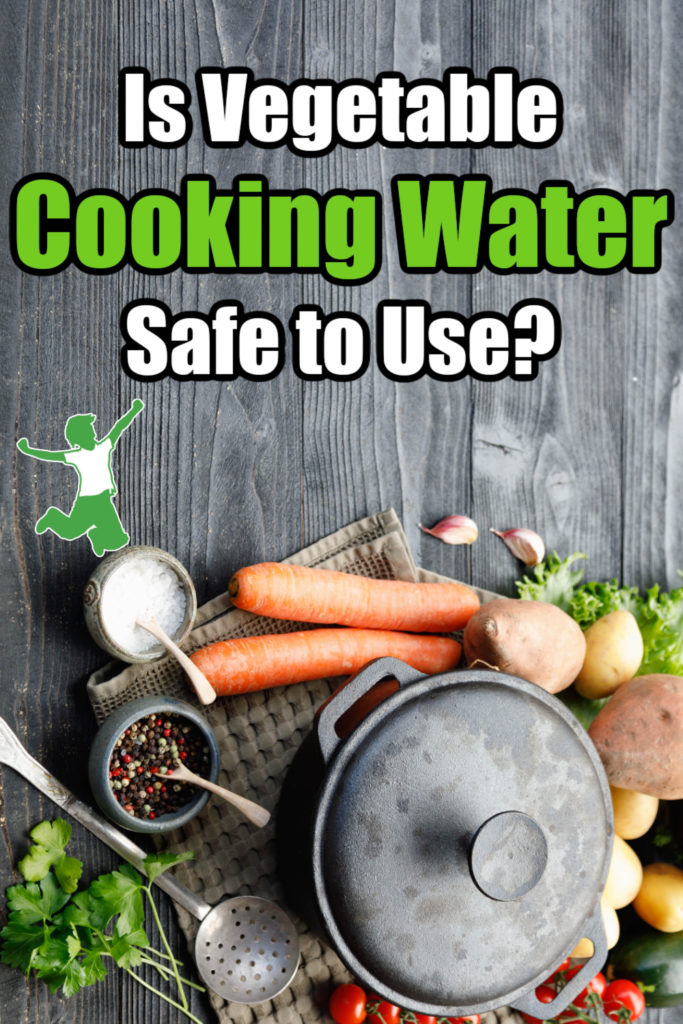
103, 746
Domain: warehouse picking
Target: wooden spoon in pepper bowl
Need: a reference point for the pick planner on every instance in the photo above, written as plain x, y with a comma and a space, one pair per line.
256, 814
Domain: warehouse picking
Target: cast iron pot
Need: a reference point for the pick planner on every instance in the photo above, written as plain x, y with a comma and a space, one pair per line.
454, 847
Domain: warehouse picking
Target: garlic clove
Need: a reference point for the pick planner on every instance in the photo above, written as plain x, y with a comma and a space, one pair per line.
454, 530
524, 544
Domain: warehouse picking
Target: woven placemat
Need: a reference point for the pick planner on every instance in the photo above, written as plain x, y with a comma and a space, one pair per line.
258, 735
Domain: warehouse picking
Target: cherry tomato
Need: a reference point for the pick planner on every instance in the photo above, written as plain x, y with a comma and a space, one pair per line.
570, 1015
581, 1001
558, 970
623, 1000
474, 1018
424, 1018
386, 1012
347, 1005
545, 994
596, 984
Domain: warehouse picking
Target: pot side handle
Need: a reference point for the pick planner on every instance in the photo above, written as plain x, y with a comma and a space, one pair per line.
528, 1003
346, 696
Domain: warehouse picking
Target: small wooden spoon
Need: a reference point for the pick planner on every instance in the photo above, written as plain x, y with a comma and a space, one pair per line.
256, 814
200, 684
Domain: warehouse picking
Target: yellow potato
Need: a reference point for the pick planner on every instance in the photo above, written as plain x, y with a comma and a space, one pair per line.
634, 813
614, 651
610, 921
660, 900
624, 877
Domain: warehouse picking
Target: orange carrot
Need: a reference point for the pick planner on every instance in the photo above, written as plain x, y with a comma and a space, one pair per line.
301, 594
259, 662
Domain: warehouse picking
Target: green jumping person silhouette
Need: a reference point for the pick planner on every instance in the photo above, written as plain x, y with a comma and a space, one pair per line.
93, 510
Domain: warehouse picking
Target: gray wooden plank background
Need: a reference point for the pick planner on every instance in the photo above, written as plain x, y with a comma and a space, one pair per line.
225, 474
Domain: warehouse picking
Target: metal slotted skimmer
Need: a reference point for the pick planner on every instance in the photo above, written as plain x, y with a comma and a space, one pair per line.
246, 949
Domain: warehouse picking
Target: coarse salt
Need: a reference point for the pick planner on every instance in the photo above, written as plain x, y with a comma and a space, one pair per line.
142, 588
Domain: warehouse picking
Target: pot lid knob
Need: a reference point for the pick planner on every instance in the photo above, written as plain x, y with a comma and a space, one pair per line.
508, 855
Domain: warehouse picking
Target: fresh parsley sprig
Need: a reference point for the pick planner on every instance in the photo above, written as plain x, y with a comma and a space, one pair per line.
65, 936
50, 839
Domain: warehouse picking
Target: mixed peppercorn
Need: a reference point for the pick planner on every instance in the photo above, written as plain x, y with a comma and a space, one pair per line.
142, 762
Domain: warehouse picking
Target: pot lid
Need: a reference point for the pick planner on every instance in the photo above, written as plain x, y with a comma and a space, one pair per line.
462, 840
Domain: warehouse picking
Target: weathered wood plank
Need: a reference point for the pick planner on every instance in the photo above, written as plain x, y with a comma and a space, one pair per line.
652, 529
551, 449
375, 443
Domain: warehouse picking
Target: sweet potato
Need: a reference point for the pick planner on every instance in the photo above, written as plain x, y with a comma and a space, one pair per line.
639, 736
531, 639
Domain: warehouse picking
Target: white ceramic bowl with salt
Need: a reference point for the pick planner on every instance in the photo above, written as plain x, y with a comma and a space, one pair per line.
138, 583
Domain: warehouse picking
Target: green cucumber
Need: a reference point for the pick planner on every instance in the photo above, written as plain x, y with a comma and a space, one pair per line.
654, 960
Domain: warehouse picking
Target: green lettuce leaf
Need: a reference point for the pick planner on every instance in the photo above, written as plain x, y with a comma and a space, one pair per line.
553, 581
659, 615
